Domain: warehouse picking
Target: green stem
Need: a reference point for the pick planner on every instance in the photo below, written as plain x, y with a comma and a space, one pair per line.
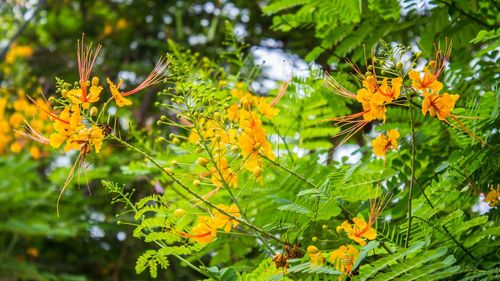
412, 176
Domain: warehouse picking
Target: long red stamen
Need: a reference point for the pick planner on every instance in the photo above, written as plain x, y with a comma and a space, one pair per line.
32, 134
467, 130
156, 76
281, 93
86, 59
336, 88
51, 114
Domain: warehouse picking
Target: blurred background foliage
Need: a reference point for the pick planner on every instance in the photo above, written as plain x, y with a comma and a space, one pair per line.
37, 43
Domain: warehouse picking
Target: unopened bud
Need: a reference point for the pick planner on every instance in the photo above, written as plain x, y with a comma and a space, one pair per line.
95, 81
325, 227
157, 104
203, 161
312, 249
168, 170
163, 118
196, 183
93, 111
314, 239
257, 172
418, 54
234, 148
174, 163
399, 65
256, 146
176, 141
179, 212
63, 93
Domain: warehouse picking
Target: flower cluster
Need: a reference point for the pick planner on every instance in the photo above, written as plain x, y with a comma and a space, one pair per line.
74, 122
14, 128
359, 231
233, 138
75, 114
379, 92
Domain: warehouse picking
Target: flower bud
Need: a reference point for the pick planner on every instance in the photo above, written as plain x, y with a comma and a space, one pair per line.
168, 170
196, 183
399, 65
312, 249
325, 227
234, 148
174, 163
314, 239
418, 54
95, 81
176, 141
179, 212
257, 172
202, 161
93, 111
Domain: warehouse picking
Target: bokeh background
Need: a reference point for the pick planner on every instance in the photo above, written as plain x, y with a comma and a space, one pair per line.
283, 38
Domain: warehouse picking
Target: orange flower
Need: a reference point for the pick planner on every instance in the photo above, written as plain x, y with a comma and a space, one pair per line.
385, 93
76, 95
428, 82
252, 141
385, 142
230, 178
344, 257
120, 100
493, 197
359, 231
66, 126
440, 105
223, 221
431, 73
265, 108
204, 231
